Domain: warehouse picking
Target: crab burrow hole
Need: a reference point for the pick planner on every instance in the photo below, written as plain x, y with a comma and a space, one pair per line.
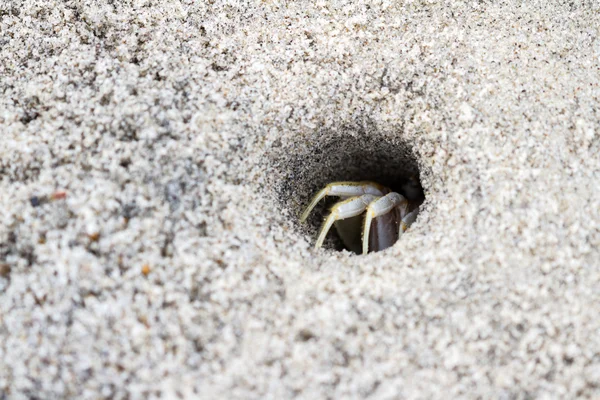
306, 166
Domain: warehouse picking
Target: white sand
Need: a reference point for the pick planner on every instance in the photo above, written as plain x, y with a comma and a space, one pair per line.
187, 138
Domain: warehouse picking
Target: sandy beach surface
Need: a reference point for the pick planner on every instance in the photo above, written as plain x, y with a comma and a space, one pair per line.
155, 156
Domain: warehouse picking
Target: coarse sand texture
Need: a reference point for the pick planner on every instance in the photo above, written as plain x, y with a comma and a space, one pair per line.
155, 156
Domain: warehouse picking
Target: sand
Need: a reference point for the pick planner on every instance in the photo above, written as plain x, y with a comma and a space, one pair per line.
155, 157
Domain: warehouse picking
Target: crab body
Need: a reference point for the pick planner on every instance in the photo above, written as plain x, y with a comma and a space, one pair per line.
370, 217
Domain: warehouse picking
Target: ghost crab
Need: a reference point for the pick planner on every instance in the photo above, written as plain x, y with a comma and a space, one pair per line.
387, 214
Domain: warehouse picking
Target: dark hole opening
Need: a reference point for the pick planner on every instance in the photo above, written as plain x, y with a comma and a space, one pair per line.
309, 165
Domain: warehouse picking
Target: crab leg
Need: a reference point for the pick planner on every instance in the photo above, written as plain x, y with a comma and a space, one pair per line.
344, 209
343, 189
379, 207
407, 221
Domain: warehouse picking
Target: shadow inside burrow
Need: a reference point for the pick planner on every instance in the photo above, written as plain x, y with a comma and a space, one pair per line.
305, 165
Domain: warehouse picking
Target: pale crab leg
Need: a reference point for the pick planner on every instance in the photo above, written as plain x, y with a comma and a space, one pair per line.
343, 189
379, 207
342, 210
407, 221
